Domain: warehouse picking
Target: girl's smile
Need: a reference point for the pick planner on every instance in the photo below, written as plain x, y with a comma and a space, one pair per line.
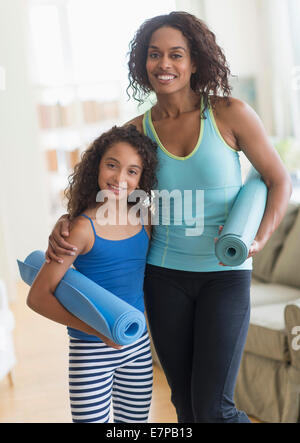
116, 189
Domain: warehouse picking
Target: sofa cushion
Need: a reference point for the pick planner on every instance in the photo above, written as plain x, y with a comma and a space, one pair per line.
270, 293
265, 260
267, 335
292, 322
286, 270
262, 390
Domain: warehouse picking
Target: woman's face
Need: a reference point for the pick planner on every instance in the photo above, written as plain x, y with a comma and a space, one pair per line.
169, 65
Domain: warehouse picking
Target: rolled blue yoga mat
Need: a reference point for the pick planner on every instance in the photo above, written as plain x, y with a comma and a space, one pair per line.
94, 305
241, 226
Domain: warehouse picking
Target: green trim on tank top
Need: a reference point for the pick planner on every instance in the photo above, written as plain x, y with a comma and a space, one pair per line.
166, 247
175, 157
212, 117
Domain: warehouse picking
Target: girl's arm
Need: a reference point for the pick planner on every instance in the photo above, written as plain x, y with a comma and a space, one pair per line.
41, 297
253, 141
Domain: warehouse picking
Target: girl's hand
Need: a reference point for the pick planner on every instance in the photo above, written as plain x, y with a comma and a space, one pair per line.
57, 245
108, 342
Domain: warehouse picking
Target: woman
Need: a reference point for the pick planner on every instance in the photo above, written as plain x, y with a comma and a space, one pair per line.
198, 309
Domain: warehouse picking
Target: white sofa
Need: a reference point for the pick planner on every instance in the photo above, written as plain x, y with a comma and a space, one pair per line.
268, 385
7, 349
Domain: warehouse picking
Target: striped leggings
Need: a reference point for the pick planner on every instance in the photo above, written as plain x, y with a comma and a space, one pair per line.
99, 373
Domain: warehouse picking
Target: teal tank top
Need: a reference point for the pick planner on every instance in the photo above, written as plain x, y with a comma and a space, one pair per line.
201, 189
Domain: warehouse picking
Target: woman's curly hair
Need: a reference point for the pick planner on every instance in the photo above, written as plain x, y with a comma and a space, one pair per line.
212, 74
83, 182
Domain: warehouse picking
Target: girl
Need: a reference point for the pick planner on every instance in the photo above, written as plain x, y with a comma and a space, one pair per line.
114, 256
198, 310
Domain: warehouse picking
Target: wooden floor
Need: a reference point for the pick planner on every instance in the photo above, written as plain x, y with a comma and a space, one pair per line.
40, 390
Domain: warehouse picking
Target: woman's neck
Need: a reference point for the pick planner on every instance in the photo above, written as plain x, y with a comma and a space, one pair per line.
172, 105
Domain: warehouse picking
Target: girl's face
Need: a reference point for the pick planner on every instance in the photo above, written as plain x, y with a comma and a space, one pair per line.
120, 170
169, 65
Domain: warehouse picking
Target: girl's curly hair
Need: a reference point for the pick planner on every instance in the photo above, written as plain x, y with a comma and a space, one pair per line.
212, 74
83, 182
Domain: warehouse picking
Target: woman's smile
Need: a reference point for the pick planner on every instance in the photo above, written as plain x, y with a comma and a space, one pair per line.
165, 79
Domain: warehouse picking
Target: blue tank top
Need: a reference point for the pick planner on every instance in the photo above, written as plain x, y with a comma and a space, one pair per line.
118, 266
211, 177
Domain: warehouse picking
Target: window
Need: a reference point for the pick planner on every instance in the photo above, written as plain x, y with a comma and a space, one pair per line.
84, 41
79, 70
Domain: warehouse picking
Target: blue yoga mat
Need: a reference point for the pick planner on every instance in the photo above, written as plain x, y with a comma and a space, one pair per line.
241, 226
94, 305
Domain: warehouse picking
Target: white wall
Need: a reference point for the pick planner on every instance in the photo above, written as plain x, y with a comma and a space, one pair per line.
195, 7
24, 223
239, 29
235, 24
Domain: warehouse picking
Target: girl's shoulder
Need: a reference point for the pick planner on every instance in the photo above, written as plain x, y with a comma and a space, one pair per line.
81, 232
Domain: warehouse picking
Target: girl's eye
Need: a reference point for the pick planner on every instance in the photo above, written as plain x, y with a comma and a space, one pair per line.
110, 165
176, 55
153, 55
132, 172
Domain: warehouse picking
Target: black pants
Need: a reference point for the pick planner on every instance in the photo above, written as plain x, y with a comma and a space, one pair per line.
199, 323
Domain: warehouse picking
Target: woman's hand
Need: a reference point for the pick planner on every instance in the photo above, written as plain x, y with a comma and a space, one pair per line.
257, 245
57, 244
216, 239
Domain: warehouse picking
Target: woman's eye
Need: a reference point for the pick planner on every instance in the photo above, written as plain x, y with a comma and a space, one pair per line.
132, 172
110, 165
153, 55
176, 55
